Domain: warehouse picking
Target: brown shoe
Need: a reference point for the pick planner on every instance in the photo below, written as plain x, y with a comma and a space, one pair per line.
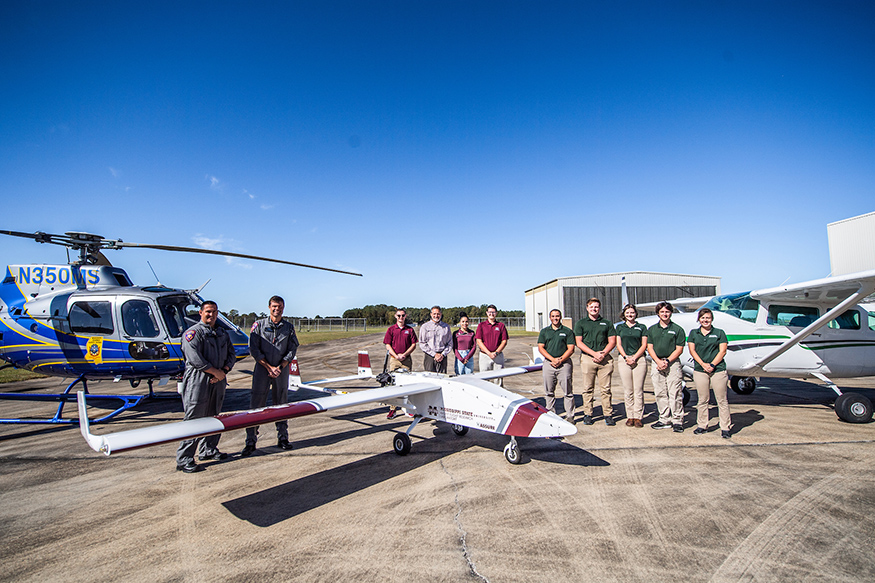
638, 423
630, 422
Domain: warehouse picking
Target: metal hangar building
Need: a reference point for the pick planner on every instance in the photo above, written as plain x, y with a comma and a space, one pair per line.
569, 294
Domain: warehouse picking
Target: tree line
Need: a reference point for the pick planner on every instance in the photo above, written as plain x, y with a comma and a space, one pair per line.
384, 315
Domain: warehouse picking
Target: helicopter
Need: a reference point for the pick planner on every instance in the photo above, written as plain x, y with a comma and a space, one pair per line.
86, 320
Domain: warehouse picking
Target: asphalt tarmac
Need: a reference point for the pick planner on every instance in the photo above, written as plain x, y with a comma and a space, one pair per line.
790, 497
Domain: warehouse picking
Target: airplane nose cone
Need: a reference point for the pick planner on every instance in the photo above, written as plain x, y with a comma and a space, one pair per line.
552, 425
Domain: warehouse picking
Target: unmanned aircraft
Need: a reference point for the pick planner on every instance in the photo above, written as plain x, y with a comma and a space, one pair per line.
815, 329
466, 401
87, 320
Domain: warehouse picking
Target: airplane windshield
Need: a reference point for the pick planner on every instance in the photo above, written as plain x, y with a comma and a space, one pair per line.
739, 305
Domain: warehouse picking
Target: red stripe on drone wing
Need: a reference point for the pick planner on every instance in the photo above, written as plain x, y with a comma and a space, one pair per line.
241, 419
524, 419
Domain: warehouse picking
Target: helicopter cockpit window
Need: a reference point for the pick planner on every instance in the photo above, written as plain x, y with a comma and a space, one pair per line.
738, 305
176, 312
91, 318
138, 320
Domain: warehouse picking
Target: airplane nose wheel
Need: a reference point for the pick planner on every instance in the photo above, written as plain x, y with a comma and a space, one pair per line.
853, 408
401, 443
512, 452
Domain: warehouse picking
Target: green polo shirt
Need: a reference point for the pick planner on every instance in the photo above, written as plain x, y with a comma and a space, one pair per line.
594, 333
664, 340
556, 342
630, 336
708, 346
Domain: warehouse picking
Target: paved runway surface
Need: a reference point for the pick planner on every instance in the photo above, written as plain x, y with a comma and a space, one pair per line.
791, 497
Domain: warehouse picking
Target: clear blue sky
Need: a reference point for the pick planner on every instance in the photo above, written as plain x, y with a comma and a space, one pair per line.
452, 152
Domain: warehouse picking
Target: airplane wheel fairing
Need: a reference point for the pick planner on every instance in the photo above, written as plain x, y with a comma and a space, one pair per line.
134, 383
853, 408
742, 385
460, 430
686, 396
512, 453
401, 443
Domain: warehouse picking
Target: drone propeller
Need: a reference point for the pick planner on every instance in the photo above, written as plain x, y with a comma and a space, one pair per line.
89, 246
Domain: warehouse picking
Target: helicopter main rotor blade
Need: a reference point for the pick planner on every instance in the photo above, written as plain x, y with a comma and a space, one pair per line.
227, 254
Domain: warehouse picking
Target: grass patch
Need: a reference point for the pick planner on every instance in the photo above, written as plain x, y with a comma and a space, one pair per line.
307, 337
13, 375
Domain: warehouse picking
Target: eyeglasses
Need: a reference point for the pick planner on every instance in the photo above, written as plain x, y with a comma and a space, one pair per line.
399, 316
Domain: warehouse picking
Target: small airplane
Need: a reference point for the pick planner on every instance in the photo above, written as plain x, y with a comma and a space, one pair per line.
810, 329
87, 320
466, 401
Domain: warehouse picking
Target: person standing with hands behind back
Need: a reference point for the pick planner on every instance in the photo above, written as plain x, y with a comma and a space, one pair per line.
556, 345
632, 344
400, 341
464, 346
596, 338
491, 338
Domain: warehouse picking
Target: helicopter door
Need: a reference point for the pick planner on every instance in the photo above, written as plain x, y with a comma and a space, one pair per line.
91, 322
144, 338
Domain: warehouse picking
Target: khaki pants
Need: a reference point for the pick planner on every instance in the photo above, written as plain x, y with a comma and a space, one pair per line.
592, 372
717, 382
669, 392
395, 364
633, 386
487, 363
562, 376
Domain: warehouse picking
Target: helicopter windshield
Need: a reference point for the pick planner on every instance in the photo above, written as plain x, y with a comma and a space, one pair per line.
179, 314
738, 305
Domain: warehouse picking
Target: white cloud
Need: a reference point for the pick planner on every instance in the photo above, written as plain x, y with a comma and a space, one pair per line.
266, 207
115, 173
215, 183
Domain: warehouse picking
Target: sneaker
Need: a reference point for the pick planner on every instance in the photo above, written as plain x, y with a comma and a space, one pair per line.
283, 443
587, 420
677, 428
248, 450
660, 425
724, 434
216, 456
699, 431
609, 421
189, 468
391, 414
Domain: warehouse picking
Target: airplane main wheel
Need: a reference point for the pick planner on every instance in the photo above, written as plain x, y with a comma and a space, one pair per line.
401, 443
134, 383
742, 385
686, 396
512, 453
853, 408
460, 430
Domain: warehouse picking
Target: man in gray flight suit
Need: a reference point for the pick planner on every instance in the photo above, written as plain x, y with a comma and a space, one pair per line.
209, 356
273, 344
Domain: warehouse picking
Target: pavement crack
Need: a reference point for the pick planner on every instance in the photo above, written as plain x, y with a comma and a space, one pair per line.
457, 519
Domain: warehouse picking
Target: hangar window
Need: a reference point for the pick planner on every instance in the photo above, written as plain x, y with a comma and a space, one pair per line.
849, 320
138, 319
796, 316
738, 305
91, 318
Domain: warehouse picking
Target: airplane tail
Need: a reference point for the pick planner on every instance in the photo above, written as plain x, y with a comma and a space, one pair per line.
294, 375
365, 364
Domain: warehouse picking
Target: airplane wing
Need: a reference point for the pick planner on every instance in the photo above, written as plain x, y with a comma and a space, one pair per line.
681, 304
841, 292
194, 428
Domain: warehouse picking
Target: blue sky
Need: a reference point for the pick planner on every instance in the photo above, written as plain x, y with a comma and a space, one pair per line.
452, 152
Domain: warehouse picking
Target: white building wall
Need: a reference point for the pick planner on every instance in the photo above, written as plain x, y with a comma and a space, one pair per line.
852, 244
539, 302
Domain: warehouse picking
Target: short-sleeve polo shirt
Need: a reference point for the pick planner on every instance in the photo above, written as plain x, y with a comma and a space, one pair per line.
665, 340
556, 342
707, 346
594, 333
630, 336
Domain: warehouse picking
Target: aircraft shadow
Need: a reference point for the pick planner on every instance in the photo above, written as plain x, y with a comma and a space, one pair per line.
274, 505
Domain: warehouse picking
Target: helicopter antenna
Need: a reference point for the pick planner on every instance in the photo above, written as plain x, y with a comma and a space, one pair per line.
153, 273
198, 290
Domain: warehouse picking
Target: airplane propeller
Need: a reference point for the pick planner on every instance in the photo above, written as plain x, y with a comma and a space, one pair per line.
89, 246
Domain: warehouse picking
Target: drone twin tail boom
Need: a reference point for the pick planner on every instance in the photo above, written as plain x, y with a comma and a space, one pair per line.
467, 401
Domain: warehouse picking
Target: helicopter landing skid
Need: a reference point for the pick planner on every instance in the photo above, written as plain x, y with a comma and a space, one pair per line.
127, 401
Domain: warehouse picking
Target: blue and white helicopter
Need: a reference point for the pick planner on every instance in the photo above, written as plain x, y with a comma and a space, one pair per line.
87, 320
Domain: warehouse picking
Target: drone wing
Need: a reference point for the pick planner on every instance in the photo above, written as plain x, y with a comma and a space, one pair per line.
194, 428
507, 372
